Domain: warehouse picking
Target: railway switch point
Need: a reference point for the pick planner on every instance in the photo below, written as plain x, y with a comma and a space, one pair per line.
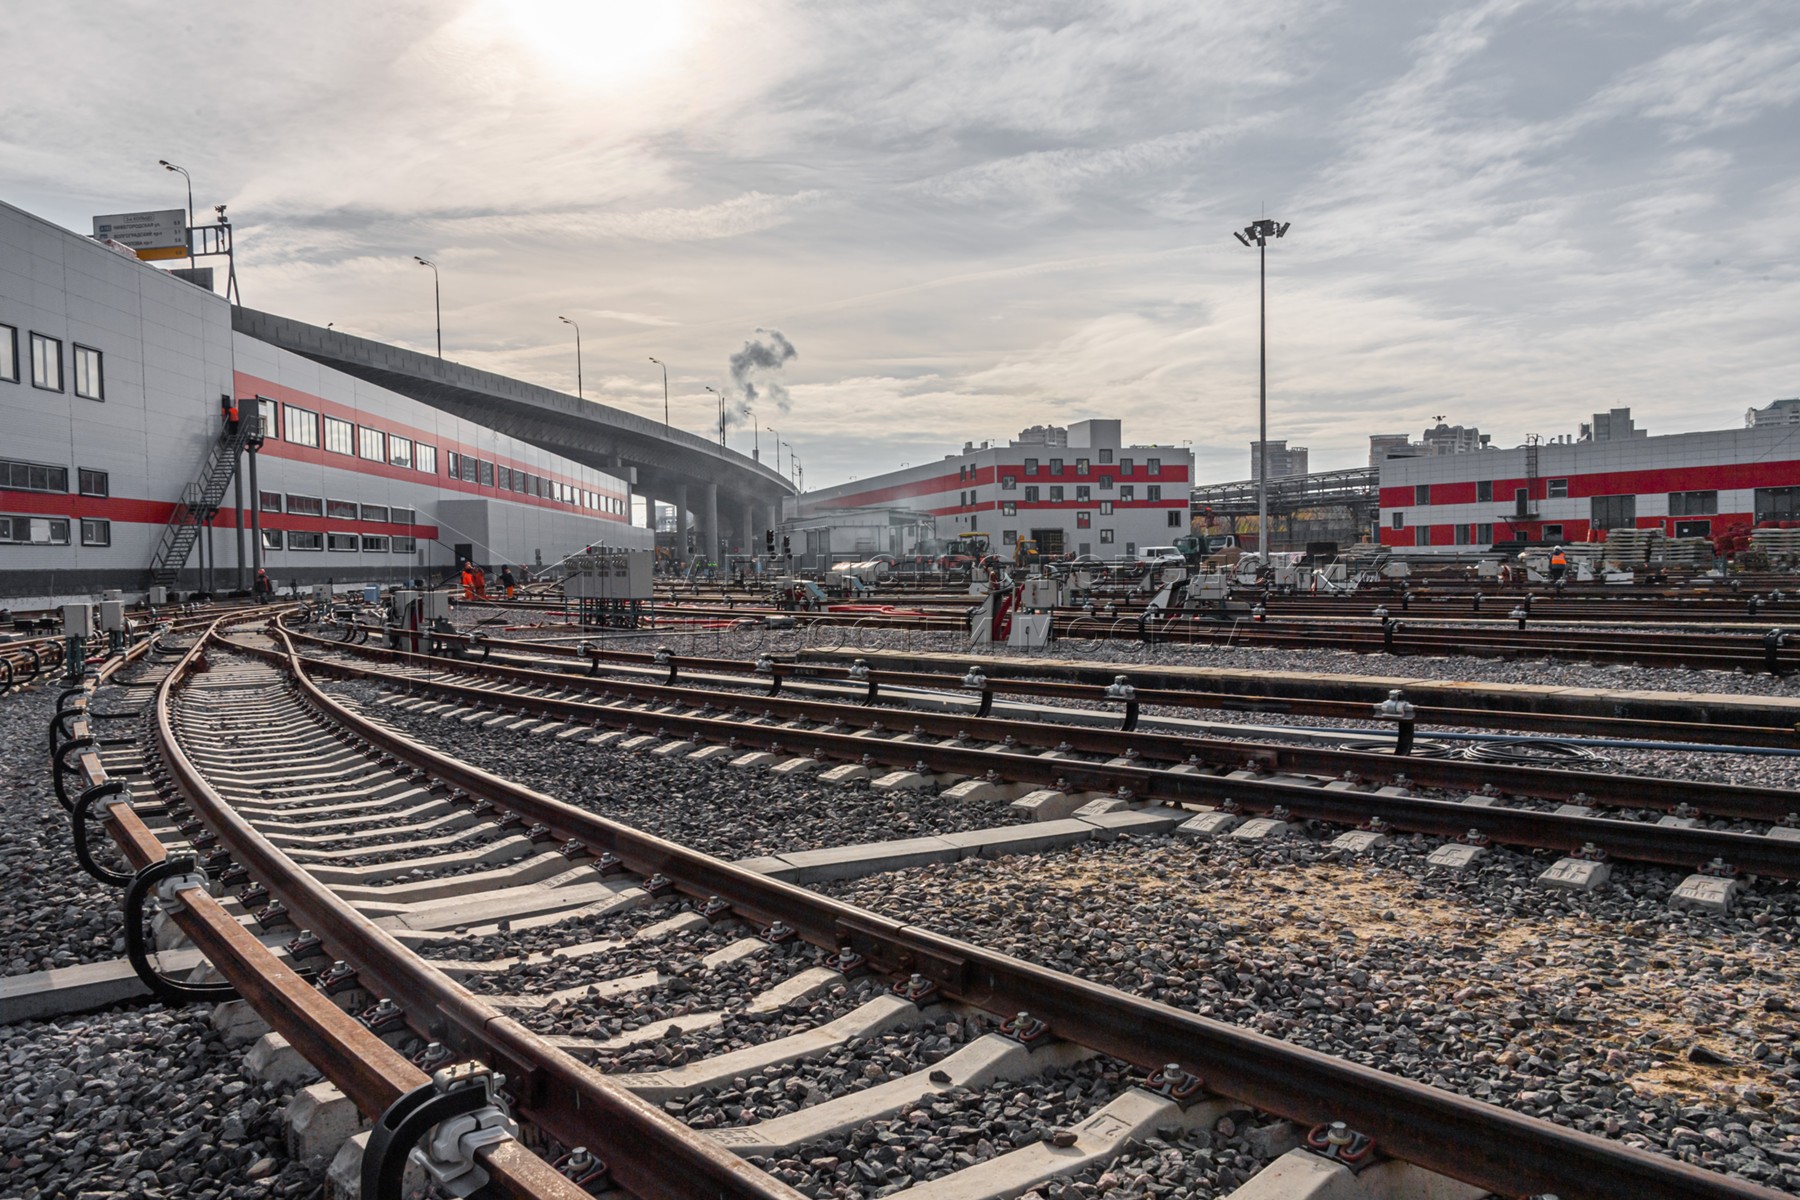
1455, 856
1576, 874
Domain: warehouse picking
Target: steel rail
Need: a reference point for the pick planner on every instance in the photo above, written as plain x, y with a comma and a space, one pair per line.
1452, 1135
648, 1153
364, 1067
1625, 791
1685, 848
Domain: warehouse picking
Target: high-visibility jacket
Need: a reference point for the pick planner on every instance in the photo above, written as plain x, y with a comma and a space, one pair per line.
1559, 560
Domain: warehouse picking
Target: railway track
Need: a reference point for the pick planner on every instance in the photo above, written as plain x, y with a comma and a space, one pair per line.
318, 817
1397, 633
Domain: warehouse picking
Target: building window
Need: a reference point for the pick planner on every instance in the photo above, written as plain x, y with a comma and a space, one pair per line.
1031, 494
1484, 491
1009, 537
375, 512
1106, 483
1693, 529
506, 479
1399, 520
374, 544
1484, 535
88, 383
1124, 466
1128, 492
1421, 493
401, 516
1421, 535
305, 541
340, 436
1553, 533
340, 542
46, 368
21, 530
1693, 504
453, 464
1084, 520
1613, 512
268, 416
95, 532
9, 354
92, 482
1153, 492
470, 469
269, 501
1778, 504
305, 506
1106, 508
1031, 466
425, 458
522, 482
342, 510
962, 474
271, 539
404, 545
1081, 466
1008, 482
1153, 466
399, 451
487, 472
1056, 493
1056, 465
1008, 509
1083, 493
1558, 489
1106, 537
1106, 456
302, 425
370, 444
1461, 533
1174, 518
34, 477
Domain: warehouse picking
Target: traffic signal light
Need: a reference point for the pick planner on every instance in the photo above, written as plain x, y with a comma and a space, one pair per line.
787, 546
768, 541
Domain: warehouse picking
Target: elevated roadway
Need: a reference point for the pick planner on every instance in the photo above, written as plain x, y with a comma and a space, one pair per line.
731, 496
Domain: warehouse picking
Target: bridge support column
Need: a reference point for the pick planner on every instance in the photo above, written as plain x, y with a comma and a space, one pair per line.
681, 522
709, 524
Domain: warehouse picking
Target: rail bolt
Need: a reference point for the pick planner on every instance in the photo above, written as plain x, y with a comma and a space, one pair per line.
306, 946
779, 933
253, 897
1474, 838
583, 1169
917, 988
658, 885
433, 1056
1718, 868
1177, 1084
765, 665
1337, 1141
609, 864
273, 917
715, 909
859, 670
848, 962
341, 977
540, 833
572, 848
1026, 1030
1590, 853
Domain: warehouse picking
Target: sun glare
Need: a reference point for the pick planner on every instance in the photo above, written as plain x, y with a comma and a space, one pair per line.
597, 41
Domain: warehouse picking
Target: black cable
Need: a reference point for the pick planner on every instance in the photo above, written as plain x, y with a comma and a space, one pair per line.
78, 817
1533, 752
169, 991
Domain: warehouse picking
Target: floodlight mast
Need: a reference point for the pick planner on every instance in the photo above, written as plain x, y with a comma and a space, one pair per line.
1258, 233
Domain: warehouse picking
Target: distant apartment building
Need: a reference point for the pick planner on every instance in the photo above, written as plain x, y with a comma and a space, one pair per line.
1439, 439
1078, 490
1781, 412
1383, 446
1614, 425
1284, 460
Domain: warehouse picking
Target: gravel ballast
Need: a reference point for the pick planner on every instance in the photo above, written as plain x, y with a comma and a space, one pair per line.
1607, 1012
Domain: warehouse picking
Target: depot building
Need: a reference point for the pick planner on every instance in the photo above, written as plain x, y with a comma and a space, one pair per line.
1076, 490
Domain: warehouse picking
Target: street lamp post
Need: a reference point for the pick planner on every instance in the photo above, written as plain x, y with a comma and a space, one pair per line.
169, 166
1259, 233
437, 299
721, 399
665, 370
778, 445
755, 435
577, 328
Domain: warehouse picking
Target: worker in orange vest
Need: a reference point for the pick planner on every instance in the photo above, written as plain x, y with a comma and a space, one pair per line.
480, 583
1559, 563
468, 581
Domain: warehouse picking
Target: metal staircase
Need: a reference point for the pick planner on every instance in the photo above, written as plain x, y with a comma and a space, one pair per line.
200, 501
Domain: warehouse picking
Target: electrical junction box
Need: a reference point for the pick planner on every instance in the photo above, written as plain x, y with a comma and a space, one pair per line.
610, 575
159, 596
78, 620
321, 594
434, 605
1030, 631
1040, 593
112, 616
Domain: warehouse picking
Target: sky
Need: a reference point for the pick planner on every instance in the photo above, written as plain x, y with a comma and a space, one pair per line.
964, 219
